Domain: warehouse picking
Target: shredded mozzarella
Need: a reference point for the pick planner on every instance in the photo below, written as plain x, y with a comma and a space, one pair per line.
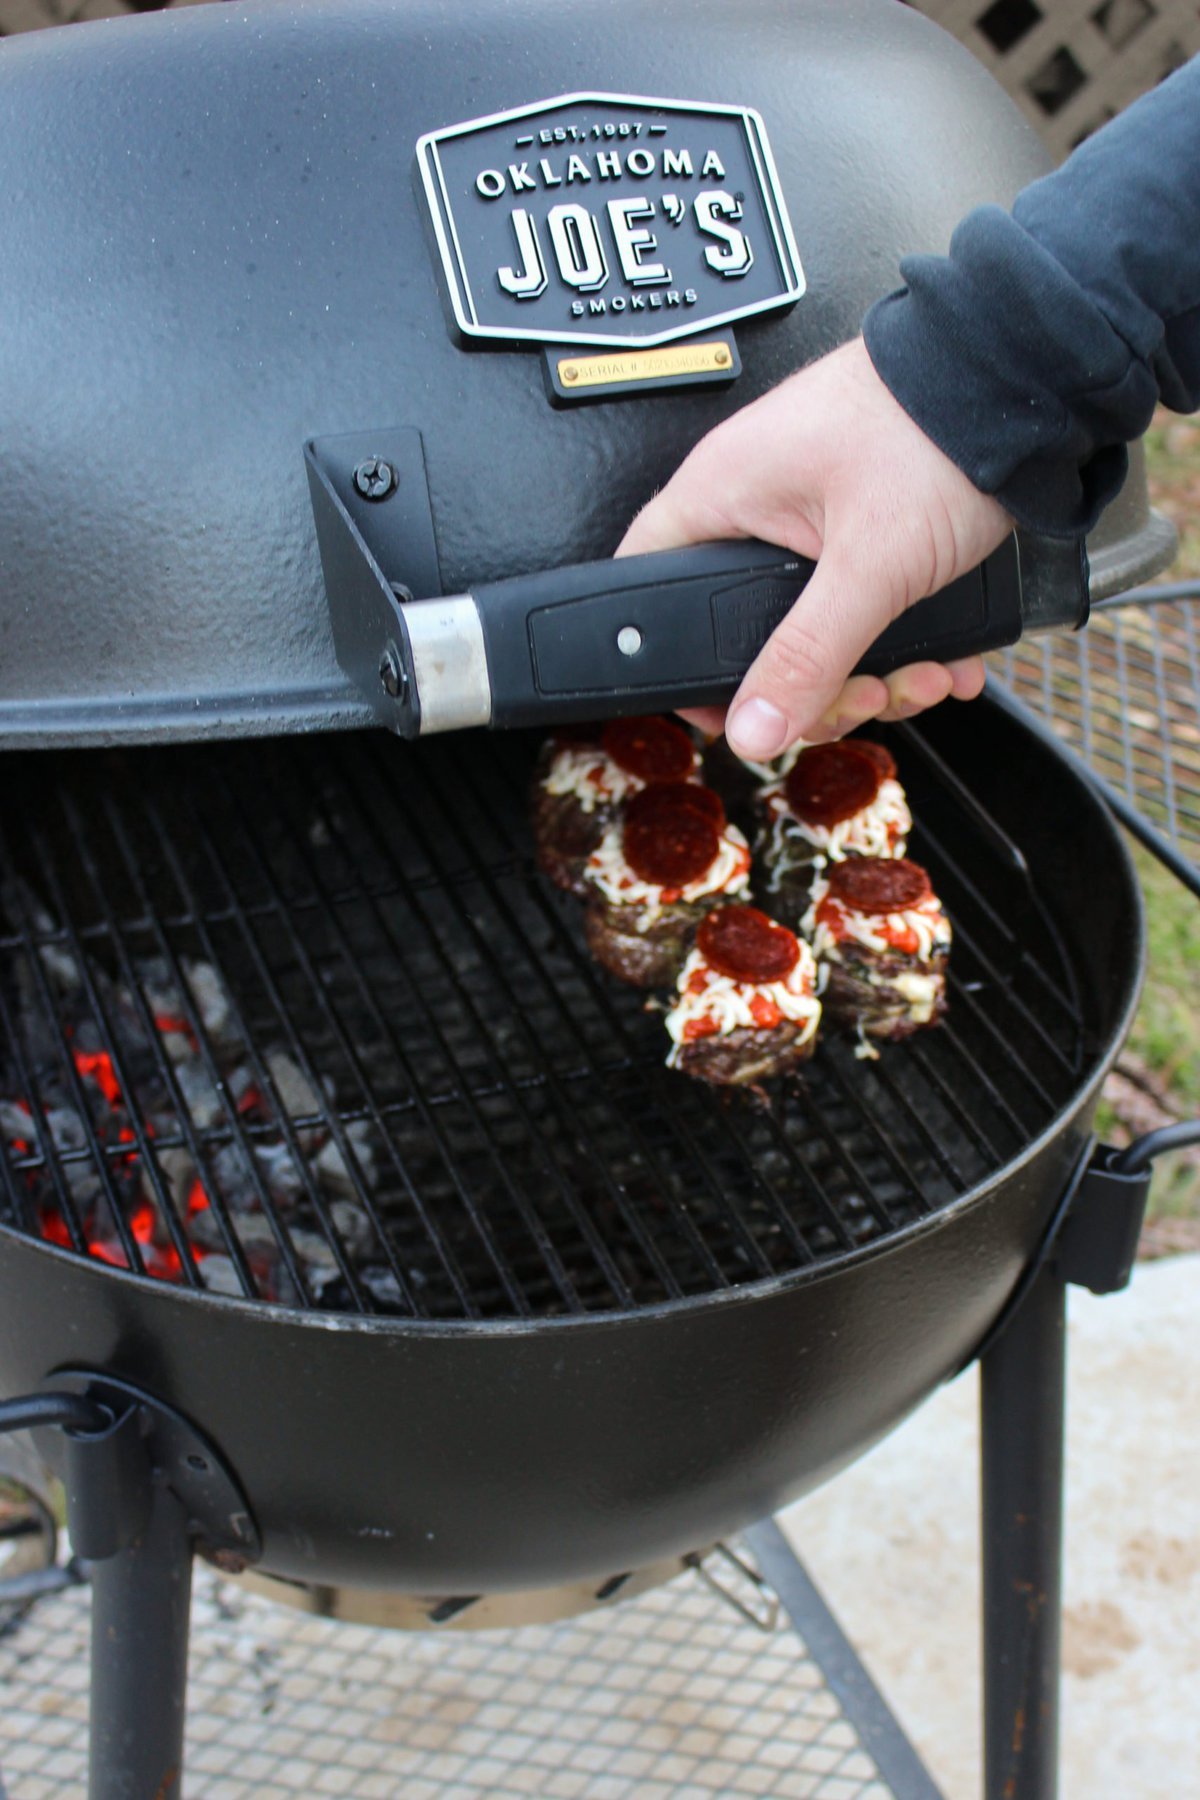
921, 992
607, 870
728, 1003
926, 921
777, 768
880, 829
589, 774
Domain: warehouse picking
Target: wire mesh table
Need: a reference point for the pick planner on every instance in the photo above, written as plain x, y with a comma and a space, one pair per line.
673, 1694
1124, 696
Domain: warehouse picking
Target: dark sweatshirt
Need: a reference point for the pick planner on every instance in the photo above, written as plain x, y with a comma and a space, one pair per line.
1039, 346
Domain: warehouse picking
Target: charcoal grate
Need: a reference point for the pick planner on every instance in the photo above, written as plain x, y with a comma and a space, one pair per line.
300, 1022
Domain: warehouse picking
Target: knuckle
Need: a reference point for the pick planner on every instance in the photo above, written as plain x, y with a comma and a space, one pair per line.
796, 656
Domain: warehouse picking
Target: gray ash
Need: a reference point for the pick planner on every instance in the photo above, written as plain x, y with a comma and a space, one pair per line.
139, 1126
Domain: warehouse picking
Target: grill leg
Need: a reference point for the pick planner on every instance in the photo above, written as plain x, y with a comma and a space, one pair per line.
1023, 1377
140, 1604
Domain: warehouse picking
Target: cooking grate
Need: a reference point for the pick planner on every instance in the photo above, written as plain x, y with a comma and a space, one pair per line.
1125, 694
300, 1022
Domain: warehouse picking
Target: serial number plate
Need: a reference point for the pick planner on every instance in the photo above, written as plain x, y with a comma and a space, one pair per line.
604, 218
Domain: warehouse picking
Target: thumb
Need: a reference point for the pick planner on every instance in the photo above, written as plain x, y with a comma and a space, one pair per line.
798, 675
683, 512
662, 524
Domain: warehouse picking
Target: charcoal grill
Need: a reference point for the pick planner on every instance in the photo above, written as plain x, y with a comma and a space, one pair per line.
637, 1319
325, 1148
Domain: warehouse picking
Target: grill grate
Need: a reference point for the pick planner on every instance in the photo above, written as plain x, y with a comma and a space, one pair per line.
300, 1022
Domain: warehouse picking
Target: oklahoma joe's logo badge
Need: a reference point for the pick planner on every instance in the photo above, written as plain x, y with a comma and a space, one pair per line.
602, 218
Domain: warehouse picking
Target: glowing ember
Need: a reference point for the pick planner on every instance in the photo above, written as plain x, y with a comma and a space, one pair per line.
159, 1255
161, 1148
97, 1064
53, 1228
170, 1026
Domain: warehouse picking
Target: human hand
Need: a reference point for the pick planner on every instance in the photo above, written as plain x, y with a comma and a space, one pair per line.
829, 465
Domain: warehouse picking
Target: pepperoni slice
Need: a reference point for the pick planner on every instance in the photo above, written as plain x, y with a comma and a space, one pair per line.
672, 850
831, 782
665, 797
652, 749
883, 759
742, 943
878, 884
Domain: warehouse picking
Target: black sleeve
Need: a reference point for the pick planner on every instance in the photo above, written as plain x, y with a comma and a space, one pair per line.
1039, 346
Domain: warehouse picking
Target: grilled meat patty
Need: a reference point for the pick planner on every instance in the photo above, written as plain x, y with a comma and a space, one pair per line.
650, 957
564, 832
564, 837
876, 993
878, 928
740, 1058
746, 1004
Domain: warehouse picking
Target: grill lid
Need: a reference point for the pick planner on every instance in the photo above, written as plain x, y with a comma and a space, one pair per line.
220, 241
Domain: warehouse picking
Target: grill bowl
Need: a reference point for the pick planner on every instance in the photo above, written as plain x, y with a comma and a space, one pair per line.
522, 1448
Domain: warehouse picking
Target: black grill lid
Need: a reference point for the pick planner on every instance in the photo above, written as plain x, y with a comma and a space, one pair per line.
218, 242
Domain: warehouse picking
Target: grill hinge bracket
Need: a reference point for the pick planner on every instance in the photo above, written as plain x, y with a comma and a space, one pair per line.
375, 533
137, 1447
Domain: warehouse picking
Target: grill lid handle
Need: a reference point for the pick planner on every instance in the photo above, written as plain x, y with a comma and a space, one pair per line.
594, 640
681, 627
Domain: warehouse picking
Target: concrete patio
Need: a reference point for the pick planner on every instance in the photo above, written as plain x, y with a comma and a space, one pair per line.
894, 1545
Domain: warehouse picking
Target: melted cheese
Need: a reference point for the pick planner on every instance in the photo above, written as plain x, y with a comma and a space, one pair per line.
590, 775
880, 829
927, 922
777, 768
921, 992
728, 875
728, 1003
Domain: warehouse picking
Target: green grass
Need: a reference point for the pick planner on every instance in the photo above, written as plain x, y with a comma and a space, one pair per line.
1165, 1041
1173, 469
1166, 1037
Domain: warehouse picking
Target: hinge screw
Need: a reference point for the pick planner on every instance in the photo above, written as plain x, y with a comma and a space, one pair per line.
391, 673
374, 479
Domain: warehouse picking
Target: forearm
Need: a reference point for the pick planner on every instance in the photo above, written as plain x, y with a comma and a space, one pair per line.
1040, 345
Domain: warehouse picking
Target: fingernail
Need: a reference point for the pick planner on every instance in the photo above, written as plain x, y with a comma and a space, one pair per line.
756, 729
